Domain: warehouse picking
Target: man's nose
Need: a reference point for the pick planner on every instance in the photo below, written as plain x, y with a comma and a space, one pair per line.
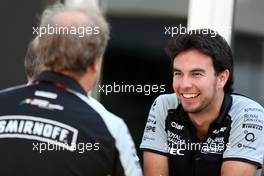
186, 82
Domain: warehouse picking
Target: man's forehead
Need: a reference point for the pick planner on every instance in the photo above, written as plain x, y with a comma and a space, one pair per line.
192, 60
192, 56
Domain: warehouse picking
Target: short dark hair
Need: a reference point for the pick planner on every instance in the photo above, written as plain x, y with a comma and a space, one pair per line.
214, 46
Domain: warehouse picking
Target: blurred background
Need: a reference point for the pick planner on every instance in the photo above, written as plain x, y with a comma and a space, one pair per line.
135, 54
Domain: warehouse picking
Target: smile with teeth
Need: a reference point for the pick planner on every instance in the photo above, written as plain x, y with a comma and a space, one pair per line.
189, 95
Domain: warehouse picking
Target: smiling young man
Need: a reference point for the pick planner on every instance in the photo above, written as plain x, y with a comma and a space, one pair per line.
203, 129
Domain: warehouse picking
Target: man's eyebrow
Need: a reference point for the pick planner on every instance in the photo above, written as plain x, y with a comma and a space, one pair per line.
193, 70
198, 70
176, 70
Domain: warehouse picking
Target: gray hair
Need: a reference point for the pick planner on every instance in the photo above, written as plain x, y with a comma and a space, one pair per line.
31, 63
60, 52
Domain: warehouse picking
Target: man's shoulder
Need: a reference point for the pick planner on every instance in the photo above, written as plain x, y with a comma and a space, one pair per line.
241, 101
12, 92
245, 106
109, 118
169, 101
12, 89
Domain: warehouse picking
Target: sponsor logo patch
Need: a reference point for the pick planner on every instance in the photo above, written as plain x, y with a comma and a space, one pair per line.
177, 126
250, 137
253, 126
45, 104
45, 94
40, 129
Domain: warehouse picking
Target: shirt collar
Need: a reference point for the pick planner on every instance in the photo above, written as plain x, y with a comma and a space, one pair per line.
60, 79
226, 105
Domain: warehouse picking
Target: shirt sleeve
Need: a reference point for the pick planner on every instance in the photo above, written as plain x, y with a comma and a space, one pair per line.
246, 140
155, 136
128, 162
126, 159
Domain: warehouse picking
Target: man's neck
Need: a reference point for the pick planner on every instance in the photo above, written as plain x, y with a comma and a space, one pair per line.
203, 119
83, 80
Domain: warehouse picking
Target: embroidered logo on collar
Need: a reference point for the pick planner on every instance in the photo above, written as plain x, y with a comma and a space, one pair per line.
41, 104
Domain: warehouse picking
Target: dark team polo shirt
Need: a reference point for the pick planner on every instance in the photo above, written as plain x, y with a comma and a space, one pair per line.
53, 128
188, 155
236, 134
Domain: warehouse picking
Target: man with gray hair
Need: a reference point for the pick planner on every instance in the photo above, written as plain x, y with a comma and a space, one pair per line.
51, 127
31, 63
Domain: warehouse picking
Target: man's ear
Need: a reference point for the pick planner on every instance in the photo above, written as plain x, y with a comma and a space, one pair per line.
95, 65
222, 78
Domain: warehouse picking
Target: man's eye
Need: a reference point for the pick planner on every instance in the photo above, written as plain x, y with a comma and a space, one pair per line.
176, 73
197, 74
